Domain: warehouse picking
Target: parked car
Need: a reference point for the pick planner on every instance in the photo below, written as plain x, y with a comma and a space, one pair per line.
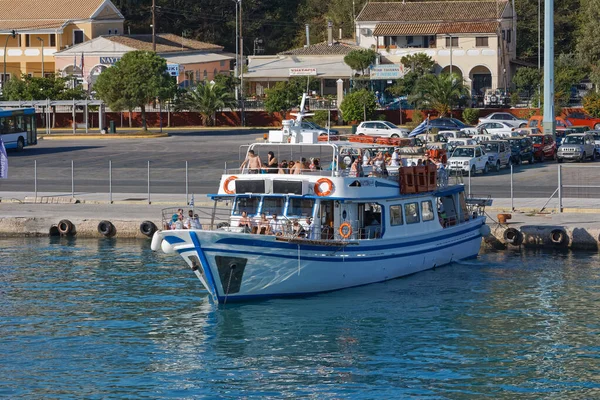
469, 158
580, 118
381, 128
505, 117
432, 138
499, 153
577, 147
563, 127
596, 133
453, 124
309, 125
544, 146
454, 143
496, 98
500, 128
521, 149
453, 134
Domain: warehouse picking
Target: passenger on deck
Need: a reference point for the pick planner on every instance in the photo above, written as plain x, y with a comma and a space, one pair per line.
378, 162
245, 221
355, 168
305, 164
317, 164
297, 169
275, 226
283, 168
298, 230
252, 162
309, 228
263, 224
195, 222
272, 166
394, 161
187, 223
177, 221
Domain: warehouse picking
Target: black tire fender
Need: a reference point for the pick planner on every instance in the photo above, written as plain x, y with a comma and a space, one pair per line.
558, 237
106, 229
148, 228
513, 236
65, 227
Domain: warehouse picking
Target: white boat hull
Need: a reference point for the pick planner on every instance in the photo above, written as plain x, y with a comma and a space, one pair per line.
238, 266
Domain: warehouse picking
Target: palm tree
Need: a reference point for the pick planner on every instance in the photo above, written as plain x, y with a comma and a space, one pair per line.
439, 92
207, 99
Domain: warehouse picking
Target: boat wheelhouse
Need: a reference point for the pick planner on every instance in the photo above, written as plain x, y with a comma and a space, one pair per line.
326, 229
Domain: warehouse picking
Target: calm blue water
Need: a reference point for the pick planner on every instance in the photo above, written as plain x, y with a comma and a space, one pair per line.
110, 319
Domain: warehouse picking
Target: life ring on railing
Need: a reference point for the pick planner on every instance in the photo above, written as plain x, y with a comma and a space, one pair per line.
320, 192
226, 184
345, 230
558, 237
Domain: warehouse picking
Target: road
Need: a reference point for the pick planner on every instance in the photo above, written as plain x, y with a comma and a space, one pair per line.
207, 153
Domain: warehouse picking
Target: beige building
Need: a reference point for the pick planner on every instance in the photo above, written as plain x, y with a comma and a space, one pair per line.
476, 39
32, 31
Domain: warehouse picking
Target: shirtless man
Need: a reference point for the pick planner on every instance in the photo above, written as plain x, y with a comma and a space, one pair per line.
252, 162
297, 168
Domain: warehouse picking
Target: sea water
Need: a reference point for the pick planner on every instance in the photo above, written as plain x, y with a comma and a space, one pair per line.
111, 319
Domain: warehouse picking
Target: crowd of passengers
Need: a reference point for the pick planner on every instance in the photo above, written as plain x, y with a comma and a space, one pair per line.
382, 160
178, 221
276, 226
254, 165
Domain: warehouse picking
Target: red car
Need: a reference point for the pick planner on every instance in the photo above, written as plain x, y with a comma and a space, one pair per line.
544, 147
582, 119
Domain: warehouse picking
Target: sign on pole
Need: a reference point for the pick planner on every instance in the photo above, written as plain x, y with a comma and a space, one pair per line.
303, 71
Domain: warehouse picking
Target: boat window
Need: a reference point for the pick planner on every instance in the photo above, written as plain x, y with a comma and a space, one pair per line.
411, 210
396, 215
300, 207
427, 210
248, 204
273, 205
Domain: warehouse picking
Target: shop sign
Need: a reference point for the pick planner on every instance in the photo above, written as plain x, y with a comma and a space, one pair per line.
387, 71
174, 69
109, 60
303, 71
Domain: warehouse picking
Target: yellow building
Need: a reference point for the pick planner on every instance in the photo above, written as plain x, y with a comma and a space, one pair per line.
31, 31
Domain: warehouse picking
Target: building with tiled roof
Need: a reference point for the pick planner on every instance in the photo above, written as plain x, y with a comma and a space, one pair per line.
475, 39
34, 30
323, 49
187, 59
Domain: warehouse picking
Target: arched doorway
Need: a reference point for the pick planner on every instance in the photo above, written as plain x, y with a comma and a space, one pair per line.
481, 79
455, 71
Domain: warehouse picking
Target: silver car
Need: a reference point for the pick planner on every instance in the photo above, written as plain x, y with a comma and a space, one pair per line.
505, 117
577, 147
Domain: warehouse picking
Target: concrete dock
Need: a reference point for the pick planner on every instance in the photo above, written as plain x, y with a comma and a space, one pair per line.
23, 215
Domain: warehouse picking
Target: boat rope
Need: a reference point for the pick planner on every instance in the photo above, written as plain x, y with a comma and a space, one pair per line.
228, 283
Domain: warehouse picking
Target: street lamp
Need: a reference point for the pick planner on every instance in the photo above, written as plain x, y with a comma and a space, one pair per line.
13, 34
42, 40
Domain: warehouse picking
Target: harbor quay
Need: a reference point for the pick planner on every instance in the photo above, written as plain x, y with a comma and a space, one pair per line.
23, 215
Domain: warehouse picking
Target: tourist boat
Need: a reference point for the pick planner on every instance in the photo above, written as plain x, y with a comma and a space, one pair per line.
367, 227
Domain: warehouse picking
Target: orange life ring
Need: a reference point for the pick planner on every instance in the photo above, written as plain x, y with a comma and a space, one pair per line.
226, 184
345, 230
320, 192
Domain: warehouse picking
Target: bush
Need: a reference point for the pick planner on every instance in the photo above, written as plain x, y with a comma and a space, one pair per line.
470, 115
418, 117
591, 104
381, 117
321, 117
358, 105
515, 99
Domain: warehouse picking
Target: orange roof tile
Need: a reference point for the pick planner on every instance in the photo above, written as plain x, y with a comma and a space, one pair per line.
165, 43
418, 11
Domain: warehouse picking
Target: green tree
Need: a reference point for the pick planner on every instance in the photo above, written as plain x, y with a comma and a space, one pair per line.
360, 60
419, 63
589, 31
404, 86
591, 104
284, 96
137, 79
38, 88
207, 99
569, 70
470, 115
227, 81
359, 105
527, 80
439, 92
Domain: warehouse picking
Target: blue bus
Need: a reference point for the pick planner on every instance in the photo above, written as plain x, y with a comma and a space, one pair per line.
18, 128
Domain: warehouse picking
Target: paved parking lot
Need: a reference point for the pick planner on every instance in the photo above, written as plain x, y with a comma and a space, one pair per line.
207, 154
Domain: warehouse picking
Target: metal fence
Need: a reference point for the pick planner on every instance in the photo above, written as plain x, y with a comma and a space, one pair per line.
538, 186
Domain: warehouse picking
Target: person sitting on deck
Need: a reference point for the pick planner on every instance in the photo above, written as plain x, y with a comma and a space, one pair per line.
297, 168
283, 168
252, 162
195, 222
298, 230
275, 226
263, 224
245, 222
187, 224
309, 228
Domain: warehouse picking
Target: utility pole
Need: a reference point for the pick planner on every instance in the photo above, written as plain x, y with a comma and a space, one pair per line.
242, 65
237, 50
154, 25
548, 123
